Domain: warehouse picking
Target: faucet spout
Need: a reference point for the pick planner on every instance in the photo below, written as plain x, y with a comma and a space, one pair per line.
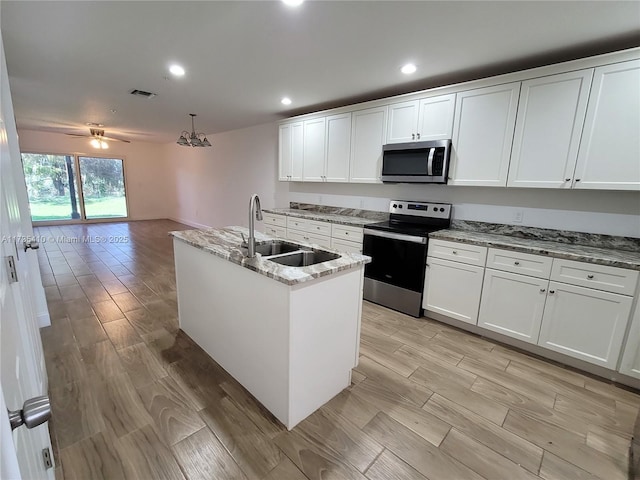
255, 213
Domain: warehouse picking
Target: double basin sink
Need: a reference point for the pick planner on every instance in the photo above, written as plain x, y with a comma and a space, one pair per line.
293, 255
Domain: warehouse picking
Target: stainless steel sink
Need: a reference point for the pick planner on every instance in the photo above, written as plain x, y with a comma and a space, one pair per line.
276, 247
304, 258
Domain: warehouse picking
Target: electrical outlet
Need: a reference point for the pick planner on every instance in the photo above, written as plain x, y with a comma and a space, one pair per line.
517, 216
361, 203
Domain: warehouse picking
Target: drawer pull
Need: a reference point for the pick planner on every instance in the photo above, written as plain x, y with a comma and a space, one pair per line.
551, 292
346, 233
542, 290
318, 228
590, 277
516, 263
455, 252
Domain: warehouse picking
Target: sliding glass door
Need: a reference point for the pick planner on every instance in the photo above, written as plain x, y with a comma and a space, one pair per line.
71, 188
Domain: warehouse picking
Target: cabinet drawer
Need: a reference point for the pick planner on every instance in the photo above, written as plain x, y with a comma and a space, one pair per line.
297, 223
600, 277
304, 237
346, 245
458, 252
344, 232
516, 262
278, 232
319, 228
272, 219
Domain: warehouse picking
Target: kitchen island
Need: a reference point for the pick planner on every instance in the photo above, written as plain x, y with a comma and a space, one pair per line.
289, 335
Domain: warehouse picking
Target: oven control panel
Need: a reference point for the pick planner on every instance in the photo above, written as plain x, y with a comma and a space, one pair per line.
420, 209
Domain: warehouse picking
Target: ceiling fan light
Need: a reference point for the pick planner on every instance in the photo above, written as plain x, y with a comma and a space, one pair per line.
95, 143
193, 139
206, 143
104, 145
182, 141
195, 142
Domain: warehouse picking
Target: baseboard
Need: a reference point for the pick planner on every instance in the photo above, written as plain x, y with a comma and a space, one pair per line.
44, 320
189, 222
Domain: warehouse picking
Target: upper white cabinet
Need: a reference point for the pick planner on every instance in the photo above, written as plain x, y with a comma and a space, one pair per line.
483, 134
338, 148
426, 119
290, 153
368, 132
609, 156
551, 115
313, 148
630, 364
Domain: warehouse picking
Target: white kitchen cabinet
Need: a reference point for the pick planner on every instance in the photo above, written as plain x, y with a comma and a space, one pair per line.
551, 114
346, 246
443, 293
483, 128
609, 155
420, 120
630, 364
313, 150
368, 133
585, 323
290, 141
512, 304
338, 148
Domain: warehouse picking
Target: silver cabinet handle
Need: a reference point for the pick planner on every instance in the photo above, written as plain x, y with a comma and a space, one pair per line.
542, 290
577, 179
455, 252
516, 263
551, 292
413, 136
590, 277
418, 135
35, 411
567, 179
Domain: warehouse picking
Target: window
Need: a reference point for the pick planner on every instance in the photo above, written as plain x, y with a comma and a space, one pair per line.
74, 188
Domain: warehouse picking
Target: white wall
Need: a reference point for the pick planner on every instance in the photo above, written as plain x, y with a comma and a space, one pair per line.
606, 212
145, 168
212, 186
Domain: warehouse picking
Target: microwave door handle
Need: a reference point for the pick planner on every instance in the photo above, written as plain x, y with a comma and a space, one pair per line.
430, 162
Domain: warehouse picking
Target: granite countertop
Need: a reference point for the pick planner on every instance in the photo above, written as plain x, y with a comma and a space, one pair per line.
581, 253
225, 243
350, 220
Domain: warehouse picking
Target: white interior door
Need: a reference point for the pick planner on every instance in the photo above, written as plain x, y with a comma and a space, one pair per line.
22, 372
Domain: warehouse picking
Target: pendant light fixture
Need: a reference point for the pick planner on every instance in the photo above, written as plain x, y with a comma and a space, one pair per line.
193, 139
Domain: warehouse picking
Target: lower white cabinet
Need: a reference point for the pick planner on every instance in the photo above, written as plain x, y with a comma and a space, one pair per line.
630, 364
453, 289
585, 323
304, 237
513, 304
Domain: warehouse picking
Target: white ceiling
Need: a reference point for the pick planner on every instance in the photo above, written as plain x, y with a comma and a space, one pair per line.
74, 62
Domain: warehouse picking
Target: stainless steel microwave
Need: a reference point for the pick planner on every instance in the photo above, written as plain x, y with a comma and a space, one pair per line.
416, 162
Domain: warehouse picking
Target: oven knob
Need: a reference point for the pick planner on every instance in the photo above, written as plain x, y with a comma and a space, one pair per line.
435, 209
399, 206
395, 206
442, 209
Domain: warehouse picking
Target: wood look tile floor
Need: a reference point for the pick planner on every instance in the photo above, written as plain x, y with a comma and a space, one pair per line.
134, 397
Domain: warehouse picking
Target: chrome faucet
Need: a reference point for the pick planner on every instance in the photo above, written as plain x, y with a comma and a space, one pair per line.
255, 213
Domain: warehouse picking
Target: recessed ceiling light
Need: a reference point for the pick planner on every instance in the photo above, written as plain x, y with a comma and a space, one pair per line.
408, 69
293, 3
176, 70
286, 100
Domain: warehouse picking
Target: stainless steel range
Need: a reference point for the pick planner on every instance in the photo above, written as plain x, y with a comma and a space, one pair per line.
398, 248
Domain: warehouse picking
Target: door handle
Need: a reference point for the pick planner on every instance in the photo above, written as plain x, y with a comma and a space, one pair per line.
32, 245
35, 411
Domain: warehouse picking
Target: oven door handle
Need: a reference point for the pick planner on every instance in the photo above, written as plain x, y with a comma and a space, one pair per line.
395, 236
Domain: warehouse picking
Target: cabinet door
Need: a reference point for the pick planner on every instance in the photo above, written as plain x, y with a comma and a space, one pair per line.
297, 144
338, 148
284, 152
368, 133
631, 355
551, 115
313, 156
482, 135
512, 304
585, 323
442, 291
403, 122
610, 145
435, 119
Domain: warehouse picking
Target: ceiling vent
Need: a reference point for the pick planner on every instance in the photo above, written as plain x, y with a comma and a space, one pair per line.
143, 94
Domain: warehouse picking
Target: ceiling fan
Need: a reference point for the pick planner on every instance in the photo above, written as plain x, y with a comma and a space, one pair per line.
98, 137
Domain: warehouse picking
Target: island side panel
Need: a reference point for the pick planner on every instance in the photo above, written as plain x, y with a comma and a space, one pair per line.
240, 318
324, 340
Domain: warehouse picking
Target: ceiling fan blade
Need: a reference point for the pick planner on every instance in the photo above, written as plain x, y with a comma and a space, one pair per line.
111, 139
78, 135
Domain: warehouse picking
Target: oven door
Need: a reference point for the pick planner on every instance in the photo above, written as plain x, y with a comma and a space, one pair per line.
396, 259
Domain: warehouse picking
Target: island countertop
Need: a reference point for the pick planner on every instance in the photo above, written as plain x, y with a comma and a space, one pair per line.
226, 243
